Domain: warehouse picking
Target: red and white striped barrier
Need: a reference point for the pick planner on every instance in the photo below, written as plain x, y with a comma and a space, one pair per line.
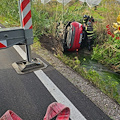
3, 44
25, 8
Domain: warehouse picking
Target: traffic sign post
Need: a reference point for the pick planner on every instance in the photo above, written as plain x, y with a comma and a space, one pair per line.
26, 23
22, 36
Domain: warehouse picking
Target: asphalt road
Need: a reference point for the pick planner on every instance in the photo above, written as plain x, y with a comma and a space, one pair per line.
27, 95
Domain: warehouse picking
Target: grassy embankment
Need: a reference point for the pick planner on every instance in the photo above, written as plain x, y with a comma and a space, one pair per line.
106, 50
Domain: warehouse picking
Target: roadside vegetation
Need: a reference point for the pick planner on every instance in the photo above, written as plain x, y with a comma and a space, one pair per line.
106, 49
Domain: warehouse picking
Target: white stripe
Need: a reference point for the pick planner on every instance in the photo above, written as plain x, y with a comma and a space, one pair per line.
59, 96
21, 1
4, 42
26, 10
20, 51
54, 90
28, 24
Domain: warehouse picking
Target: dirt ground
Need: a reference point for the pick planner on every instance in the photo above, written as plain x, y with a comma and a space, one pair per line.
49, 47
51, 44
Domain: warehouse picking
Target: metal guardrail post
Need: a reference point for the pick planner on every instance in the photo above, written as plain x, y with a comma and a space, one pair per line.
22, 36
28, 53
30, 65
26, 22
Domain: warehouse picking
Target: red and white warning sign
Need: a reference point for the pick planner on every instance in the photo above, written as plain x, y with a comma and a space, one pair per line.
26, 14
3, 44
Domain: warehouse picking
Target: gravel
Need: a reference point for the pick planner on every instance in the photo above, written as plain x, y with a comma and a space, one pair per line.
106, 104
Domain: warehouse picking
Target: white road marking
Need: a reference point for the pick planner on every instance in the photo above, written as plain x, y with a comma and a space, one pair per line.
20, 51
54, 90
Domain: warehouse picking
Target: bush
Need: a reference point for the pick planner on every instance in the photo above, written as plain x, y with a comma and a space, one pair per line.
108, 53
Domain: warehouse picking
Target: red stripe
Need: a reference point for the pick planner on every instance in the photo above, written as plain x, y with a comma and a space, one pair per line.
2, 46
26, 18
31, 27
24, 4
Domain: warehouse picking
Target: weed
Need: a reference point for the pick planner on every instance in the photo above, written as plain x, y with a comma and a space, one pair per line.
108, 53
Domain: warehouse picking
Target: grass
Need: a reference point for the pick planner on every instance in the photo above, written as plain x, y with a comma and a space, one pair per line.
8, 22
108, 53
108, 86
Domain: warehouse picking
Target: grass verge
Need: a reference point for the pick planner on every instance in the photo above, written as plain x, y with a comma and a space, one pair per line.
108, 86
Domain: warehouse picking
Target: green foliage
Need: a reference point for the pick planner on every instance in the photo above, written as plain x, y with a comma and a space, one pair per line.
41, 23
77, 61
108, 53
73, 63
9, 9
108, 86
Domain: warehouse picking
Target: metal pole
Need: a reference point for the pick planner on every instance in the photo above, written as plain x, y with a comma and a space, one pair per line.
28, 50
27, 65
28, 53
23, 14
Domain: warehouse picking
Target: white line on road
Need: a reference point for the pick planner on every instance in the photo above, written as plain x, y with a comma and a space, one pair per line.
54, 90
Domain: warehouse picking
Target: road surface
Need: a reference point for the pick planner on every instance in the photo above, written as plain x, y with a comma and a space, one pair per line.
30, 94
